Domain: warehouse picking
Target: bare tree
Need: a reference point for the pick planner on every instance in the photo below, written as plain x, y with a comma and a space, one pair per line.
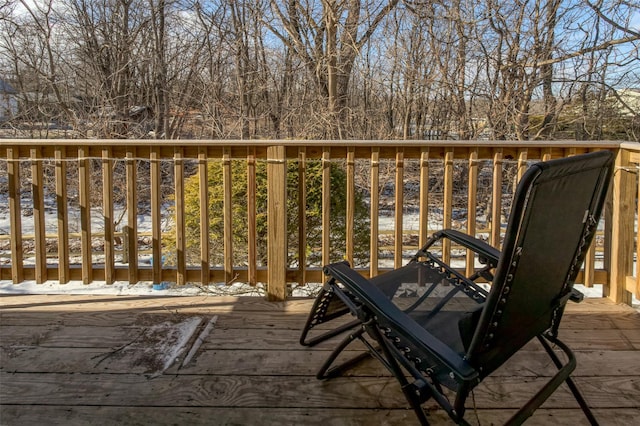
327, 38
324, 68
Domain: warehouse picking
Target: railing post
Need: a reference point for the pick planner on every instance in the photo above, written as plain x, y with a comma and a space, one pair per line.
621, 229
277, 223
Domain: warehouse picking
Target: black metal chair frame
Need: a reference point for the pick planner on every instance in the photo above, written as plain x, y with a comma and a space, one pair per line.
423, 364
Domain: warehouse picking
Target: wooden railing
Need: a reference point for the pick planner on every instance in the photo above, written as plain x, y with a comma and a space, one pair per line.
625, 247
75, 205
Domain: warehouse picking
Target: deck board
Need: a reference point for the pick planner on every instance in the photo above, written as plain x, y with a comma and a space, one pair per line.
89, 359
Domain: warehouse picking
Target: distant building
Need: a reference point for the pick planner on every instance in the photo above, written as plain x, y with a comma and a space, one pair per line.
631, 100
8, 101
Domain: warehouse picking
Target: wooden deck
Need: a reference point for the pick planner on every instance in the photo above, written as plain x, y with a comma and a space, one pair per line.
78, 360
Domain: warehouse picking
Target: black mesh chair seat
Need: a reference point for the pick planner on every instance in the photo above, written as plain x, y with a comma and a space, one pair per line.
434, 328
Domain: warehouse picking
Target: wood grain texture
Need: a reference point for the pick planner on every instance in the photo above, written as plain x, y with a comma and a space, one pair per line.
80, 360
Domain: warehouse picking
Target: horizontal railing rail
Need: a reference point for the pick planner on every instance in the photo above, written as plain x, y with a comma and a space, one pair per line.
272, 212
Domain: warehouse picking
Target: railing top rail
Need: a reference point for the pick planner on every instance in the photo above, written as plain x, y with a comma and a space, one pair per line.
321, 143
631, 146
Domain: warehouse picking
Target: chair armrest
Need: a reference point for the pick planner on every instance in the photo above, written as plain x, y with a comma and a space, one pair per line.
484, 250
380, 306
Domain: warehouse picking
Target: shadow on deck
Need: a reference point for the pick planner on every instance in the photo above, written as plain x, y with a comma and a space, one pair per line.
104, 360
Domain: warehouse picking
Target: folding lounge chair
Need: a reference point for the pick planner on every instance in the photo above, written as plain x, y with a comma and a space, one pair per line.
452, 341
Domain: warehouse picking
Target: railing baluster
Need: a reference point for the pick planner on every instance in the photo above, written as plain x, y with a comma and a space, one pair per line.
107, 213
15, 215
636, 281
637, 278
203, 198
63, 216
399, 208
496, 198
132, 213
302, 215
84, 178
424, 197
590, 264
39, 224
252, 233
472, 207
156, 215
523, 154
181, 243
326, 205
227, 214
351, 204
374, 211
447, 202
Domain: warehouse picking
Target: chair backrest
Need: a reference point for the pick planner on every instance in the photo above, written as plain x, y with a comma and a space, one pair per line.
553, 219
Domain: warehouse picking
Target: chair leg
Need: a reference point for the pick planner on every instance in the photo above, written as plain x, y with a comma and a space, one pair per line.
325, 336
414, 401
410, 390
563, 375
572, 385
326, 372
319, 315
418, 391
